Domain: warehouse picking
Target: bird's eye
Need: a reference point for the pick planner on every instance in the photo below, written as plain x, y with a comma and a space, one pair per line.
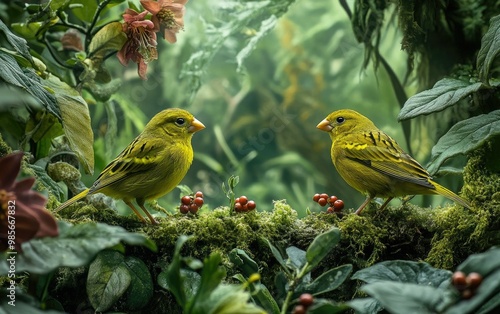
340, 119
180, 121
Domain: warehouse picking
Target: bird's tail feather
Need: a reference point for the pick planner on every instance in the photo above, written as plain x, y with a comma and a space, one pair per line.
73, 199
441, 190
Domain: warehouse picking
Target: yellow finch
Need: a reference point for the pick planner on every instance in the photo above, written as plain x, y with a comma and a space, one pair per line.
373, 163
152, 165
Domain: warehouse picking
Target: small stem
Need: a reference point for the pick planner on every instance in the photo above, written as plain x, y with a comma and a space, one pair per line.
64, 22
291, 289
54, 54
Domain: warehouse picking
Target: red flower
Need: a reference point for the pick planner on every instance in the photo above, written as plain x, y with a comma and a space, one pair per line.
140, 46
22, 211
167, 16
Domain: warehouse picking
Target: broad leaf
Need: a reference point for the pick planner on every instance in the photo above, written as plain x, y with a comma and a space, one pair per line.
321, 246
490, 47
443, 94
397, 297
404, 271
76, 121
365, 306
107, 40
18, 43
244, 263
74, 247
464, 137
21, 302
322, 306
227, 299
483, 263
328, 281
277, 255
140, 290
296, 257
107, 280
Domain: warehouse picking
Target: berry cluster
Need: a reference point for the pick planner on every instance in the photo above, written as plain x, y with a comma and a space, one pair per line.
466, 285
336, 204
242, 204
305, 301
190, 203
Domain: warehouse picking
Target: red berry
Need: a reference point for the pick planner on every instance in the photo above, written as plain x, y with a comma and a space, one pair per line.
467, 294
299, 309
322, 201
332, 199
251, 205
474, 280
243, 199
244, 208
184, 208
193, 208
324, 195
198, 194
238, 207
330, 209
338, 204
306, 299
316, 197
186, 200
458, 280
199, 201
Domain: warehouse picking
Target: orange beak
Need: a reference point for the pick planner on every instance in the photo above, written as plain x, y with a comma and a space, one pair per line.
195, 126
325, 126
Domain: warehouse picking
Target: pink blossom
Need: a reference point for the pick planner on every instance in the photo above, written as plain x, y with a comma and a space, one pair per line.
168, 16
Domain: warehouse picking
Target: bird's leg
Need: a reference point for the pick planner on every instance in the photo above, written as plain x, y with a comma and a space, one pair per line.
360, 209
140, 202
129, 204
385, 203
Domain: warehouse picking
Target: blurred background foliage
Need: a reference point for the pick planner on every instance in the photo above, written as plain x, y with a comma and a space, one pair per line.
261, 74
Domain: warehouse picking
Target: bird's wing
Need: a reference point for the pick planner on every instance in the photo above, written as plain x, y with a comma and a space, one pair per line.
380, 152
140, 156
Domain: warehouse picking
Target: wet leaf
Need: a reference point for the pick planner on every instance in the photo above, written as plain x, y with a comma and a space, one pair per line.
490, 47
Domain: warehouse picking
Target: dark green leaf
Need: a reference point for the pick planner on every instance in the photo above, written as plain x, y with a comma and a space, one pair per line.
321, 246
328, 281
296, 257
404, 271
107, 280
397, 297
21, 302
244, 263
464, 137
491, 306
490, 47
18, 43
191, 281
84, 10
443, 94
140, 290
281, 284
43, 178
277, 255
365, 306
76, 121
322, 306
483, 263
74, 247
11, 73
263, 298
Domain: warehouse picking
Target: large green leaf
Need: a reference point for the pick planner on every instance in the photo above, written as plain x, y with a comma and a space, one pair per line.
108, 39
296, 257
404, 271
322, 306
18, 43
244, 263
140, 290
490, 47
443, 94
74, 247
464, 137
107, 280
76, 121
321, 246
397, 297
483, 263
11, 73
326, 282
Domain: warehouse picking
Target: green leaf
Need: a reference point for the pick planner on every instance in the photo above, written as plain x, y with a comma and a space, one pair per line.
19, 44
483, 263
244, 263
263, 298
397, 297
227, 299
443, 94
11, 73
74, 247
322, 306
328, 281
140, 290
107, 280
404, 271
84, 10
277, 255
107, 40
365, 306
43, 178
76, 121
490, 47
296, 257
21, 302
463, 137
321, 246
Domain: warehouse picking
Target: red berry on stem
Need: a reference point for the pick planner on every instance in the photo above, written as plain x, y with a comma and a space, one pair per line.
458, 279
244, 208
186, 200
332, 199
251, 205
330, 209
338, 204
299, 309
199, 201
243, 199
322, 201
184, 208
238, 207
316, 197
306, 299
198, 194
467, 294
473, 280
193, 208
324, 195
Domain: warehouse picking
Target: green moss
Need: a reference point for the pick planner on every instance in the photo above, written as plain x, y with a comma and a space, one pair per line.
4, 148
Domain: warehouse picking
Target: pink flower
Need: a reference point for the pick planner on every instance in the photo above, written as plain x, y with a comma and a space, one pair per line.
140, 46
167, 16
22, 211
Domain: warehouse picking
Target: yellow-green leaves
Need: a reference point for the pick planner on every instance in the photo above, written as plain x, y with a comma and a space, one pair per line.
108, 39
